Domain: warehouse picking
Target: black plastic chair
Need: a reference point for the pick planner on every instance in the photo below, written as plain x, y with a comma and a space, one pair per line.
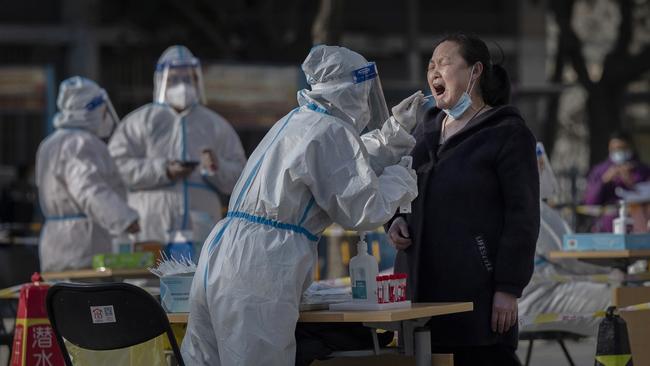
136, 317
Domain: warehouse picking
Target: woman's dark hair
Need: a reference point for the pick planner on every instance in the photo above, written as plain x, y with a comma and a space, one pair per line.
621, 135
494, 82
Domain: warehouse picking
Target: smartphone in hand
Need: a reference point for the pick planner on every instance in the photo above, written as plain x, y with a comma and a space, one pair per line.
189, 164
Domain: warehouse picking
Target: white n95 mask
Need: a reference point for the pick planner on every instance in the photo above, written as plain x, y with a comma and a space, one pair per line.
181, 96
620, 156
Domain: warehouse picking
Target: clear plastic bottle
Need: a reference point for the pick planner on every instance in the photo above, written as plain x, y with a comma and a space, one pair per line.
401, 286
180, 245
380, 289
623, 224
363, 274
122, 243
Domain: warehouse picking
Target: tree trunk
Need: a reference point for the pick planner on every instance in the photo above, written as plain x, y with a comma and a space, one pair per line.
604, 110
551, 123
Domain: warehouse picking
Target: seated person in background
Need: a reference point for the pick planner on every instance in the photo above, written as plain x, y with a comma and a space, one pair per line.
622, 169
545, 294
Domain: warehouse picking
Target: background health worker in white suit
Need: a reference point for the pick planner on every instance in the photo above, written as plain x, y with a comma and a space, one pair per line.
79, 188
157, 146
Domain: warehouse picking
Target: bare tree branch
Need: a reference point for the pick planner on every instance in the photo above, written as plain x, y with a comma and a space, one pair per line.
624, 29
572, 46
615, 62
636, 65
202, 23
551, 123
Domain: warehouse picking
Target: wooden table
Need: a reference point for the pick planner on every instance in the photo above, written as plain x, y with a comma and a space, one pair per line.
415, 339
612, 258
638, 323
98, 274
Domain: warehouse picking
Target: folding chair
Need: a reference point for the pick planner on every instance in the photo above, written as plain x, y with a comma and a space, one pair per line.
106, 316
557, 336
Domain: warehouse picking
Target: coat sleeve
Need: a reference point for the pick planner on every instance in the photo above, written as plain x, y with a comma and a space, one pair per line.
519, 182
419, 153
387, 145
338, 173
231, 159
128, 149
595, 187
86, 179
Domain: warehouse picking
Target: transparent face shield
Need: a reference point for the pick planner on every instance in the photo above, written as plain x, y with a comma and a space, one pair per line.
181, 81
376, 101
109, 116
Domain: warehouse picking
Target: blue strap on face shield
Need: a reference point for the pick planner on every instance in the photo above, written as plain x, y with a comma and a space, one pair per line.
365, 73
314, 107
94, 103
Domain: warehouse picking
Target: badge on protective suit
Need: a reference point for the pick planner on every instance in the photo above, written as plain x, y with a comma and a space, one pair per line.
613, 348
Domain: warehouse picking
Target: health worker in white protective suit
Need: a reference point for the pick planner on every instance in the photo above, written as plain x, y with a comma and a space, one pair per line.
80, 190
175, 155
312, 169
565, 285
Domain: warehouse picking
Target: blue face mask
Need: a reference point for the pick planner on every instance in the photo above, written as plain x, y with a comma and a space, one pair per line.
464, 102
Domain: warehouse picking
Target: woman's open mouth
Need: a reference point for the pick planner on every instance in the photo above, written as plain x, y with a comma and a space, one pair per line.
438, 90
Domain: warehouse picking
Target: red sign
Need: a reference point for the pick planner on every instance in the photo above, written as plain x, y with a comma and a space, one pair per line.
34, 340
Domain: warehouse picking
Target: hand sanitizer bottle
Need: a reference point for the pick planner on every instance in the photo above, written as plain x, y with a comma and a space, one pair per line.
623, 224
363, 274
180, 245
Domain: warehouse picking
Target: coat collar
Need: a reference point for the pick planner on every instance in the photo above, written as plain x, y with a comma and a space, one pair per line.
433, 125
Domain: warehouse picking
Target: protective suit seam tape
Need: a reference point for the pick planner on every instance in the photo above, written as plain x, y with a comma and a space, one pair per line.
65, 217
276, 224
307, 209
183, 157
253, 173
248, 182
213, 245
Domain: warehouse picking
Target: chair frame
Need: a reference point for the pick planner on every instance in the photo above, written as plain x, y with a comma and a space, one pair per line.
103, 287
557, 336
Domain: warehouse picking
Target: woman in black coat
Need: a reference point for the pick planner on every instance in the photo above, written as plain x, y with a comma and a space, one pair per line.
472, 233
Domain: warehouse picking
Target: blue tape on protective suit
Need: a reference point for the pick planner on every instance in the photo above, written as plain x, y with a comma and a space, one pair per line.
253, 173
65, 217
307, 209
213, 245
185, 192
241, 215
276, 224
